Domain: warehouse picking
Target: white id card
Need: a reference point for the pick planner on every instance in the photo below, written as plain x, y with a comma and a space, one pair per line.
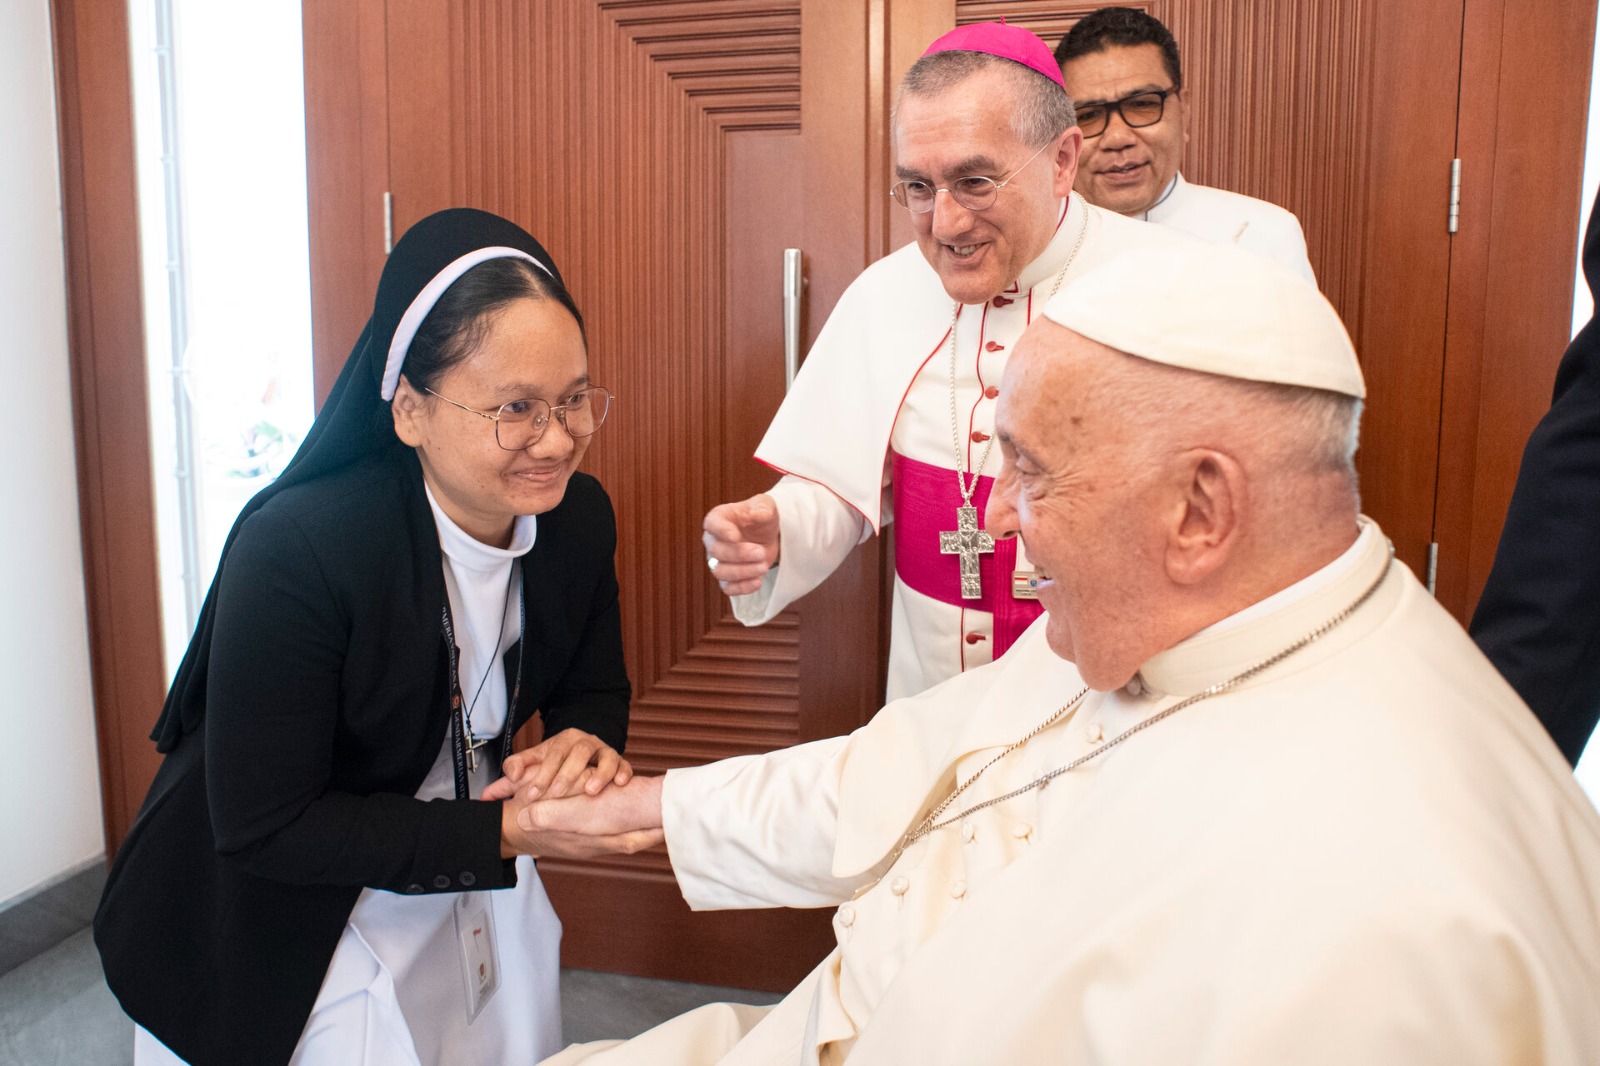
480, 966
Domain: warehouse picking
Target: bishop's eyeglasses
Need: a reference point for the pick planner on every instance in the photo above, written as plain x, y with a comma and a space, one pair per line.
973, 192
1137, 110
519, 424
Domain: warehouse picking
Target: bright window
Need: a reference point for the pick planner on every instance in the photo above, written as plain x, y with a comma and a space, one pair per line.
220, 124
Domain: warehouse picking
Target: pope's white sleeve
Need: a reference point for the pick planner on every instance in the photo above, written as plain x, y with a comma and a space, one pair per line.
816, 531
758, 830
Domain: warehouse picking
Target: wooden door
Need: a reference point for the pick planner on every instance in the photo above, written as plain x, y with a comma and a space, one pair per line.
666, 154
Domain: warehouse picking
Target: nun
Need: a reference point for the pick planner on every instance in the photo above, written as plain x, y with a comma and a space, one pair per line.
314, 877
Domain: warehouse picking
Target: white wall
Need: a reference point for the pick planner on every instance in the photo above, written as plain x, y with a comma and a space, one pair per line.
49, 769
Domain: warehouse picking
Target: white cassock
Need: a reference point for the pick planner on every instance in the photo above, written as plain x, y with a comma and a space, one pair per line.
1223, 217
876, 387
1369, 853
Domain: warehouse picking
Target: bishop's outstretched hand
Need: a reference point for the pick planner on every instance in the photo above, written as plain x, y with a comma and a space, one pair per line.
742, 542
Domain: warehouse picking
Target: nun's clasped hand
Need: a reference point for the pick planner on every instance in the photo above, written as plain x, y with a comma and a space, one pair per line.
570, 762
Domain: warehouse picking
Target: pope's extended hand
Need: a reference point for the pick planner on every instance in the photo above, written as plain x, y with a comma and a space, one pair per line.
621, 820
742, 540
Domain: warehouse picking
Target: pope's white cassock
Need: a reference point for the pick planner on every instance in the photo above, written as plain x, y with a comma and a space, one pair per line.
1370, 853
871, 412
1224, 217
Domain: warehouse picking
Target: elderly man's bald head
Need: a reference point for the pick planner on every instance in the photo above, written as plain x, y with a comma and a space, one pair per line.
1158, 500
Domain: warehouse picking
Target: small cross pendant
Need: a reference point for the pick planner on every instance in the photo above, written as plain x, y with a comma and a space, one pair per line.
473, 744
967, 541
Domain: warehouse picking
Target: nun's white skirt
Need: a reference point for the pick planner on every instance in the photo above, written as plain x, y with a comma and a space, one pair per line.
394, 993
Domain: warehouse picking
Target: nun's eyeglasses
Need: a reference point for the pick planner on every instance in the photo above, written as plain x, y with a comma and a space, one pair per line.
519, 424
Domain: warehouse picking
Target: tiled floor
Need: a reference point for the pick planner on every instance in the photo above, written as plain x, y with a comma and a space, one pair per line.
56, 1010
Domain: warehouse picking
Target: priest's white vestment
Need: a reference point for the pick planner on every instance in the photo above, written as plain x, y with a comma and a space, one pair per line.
1223, 217
1369, 853
876, 384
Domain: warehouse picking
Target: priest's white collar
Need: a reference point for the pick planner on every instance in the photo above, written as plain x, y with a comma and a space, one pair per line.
1166, 194
465, 550
1235, 643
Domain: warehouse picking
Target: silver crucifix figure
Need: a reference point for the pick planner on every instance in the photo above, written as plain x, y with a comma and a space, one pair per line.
967, 541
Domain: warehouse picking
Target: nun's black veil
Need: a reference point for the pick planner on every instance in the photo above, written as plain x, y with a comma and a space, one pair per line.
355, 422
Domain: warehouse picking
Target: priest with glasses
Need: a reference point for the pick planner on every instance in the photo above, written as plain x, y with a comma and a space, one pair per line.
1121, 67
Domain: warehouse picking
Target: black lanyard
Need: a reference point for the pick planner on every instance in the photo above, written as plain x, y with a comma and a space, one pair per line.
458, 733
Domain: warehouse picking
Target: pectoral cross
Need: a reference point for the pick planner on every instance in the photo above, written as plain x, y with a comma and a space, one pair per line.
473, 744
967, 541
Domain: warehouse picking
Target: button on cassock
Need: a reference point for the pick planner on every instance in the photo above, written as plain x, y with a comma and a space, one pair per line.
847, 916
899, 886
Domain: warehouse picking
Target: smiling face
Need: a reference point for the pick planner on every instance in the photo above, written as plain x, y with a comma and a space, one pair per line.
531, 348
1126, 169
967, 131
1088, 508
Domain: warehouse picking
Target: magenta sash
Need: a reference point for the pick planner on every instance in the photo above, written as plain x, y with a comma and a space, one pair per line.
925, 502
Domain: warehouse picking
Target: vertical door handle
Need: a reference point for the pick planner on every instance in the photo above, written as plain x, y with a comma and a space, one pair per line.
793, 285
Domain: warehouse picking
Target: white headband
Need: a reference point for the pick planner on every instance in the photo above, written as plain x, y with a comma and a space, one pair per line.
411, 321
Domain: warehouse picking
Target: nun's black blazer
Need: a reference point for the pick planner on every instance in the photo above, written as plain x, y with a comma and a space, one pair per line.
326, 705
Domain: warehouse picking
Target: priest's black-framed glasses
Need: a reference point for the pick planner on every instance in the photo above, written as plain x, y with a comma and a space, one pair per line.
1137, 110
973, 192
519, 424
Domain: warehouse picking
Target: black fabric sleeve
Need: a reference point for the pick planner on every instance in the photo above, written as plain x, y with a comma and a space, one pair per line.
594, 692
274, 708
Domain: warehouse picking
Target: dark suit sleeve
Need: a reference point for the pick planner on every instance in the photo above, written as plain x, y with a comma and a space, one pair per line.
273, 714
1539, 618
593, 692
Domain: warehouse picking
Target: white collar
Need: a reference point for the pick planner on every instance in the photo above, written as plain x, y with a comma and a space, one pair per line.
465, 550
1239, 641
1069, 221
1166, 194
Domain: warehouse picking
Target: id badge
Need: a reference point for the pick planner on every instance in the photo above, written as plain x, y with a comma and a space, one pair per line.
480, 965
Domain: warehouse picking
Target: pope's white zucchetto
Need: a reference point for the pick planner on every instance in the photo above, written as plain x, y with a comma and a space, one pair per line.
1214, 308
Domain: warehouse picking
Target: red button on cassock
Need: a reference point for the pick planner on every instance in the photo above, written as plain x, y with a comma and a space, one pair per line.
1001, 301
994, 346
990, 393
973, 638
979, 435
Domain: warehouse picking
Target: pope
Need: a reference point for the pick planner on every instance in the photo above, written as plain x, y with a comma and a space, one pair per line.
1244, 794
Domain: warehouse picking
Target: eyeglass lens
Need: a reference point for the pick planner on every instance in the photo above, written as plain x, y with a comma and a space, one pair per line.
1140, 109
973, 193
522, 422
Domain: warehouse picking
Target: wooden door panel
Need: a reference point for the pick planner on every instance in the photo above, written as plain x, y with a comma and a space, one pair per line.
1520, 137
657, 150
1326, 109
